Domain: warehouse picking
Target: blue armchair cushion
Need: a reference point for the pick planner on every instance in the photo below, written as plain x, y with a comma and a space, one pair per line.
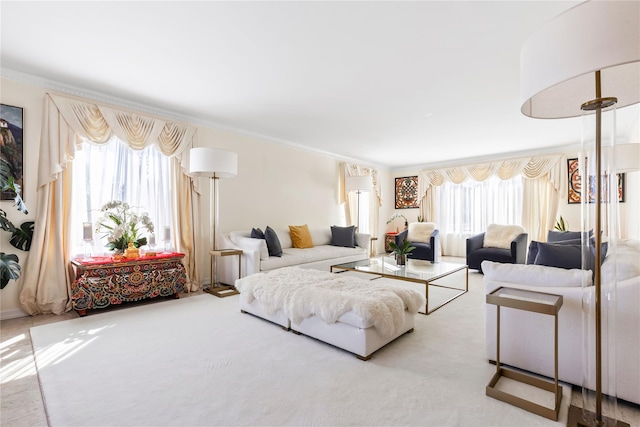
477, 252
424, 251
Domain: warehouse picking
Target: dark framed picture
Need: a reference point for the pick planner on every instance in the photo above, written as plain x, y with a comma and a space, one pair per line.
576, 186
407, 192
12, 146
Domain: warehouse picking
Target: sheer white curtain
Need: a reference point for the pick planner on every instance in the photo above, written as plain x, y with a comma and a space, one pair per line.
114, 171
468, 208
543, 182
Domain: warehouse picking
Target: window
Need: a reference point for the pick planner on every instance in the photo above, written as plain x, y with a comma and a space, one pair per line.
113, 171
364, 213
468, 208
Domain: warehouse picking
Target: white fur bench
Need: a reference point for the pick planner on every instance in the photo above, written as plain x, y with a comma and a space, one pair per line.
353, 314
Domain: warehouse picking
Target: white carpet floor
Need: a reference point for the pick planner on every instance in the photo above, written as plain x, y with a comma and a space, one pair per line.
199, 361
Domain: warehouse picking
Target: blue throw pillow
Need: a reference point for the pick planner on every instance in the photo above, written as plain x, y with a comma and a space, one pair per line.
568, 256
256, 233
561, 256
273, 243
533, 248
343, 236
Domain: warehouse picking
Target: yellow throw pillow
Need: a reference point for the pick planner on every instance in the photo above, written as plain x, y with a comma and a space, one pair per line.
300, 236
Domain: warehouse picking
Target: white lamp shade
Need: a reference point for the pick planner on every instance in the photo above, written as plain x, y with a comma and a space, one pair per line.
358, 183
204, 161
558, 62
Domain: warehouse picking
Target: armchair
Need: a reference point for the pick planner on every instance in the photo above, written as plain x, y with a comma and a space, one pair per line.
500, 243
425, 237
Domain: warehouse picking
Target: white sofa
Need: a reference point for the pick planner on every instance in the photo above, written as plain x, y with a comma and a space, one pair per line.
527, 338
255, 257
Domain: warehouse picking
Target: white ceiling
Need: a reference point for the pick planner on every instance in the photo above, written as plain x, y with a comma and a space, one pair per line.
393, 83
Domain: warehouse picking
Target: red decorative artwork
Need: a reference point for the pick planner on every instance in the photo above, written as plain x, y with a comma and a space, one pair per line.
407, 192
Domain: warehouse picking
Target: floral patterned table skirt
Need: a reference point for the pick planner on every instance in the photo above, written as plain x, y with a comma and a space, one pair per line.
103, 281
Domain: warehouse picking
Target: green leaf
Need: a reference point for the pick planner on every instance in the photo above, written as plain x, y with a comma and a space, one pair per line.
405, 249
22, 237
9, 268
5, 224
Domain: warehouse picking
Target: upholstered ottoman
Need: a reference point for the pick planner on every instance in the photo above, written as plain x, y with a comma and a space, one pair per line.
254, 307
351, 313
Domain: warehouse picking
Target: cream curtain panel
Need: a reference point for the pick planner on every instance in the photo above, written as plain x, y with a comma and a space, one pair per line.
46, 279
351, 169
544, 184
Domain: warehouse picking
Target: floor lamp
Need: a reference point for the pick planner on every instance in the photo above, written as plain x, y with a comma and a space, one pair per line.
215, 164
567, 66
359, 184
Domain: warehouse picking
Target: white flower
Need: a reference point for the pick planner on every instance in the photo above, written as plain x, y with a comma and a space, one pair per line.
121, 225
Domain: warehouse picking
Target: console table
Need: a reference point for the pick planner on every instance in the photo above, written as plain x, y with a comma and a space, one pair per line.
104, 281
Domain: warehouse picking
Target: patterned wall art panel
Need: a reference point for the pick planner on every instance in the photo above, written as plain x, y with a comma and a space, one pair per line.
576, 187
407, 192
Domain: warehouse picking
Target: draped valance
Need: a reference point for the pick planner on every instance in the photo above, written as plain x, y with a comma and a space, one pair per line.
529, 167
351, 169
98, 123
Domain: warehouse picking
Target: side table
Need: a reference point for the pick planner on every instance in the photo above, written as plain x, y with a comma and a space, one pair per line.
372, 246
220, 289
536, 302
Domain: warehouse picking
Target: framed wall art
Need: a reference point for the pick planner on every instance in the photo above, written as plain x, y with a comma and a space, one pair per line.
407, 192
12, 146
575, 190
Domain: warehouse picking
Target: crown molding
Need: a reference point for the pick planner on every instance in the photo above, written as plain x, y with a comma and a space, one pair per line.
64, 88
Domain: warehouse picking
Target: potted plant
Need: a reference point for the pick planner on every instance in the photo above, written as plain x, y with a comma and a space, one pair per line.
561, 224
401, 251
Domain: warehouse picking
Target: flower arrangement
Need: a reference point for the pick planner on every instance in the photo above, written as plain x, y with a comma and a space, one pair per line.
397, 215
121, 225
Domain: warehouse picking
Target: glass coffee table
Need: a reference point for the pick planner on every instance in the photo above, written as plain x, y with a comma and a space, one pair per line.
416, 271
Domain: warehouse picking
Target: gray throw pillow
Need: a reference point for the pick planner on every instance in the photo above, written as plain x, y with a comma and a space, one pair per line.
256, 233
533, 248
343, 236
273, 243
558, 236
567, 255
561, 256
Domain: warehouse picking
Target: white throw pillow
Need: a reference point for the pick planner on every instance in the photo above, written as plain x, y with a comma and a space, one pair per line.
501, 236
420, 231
